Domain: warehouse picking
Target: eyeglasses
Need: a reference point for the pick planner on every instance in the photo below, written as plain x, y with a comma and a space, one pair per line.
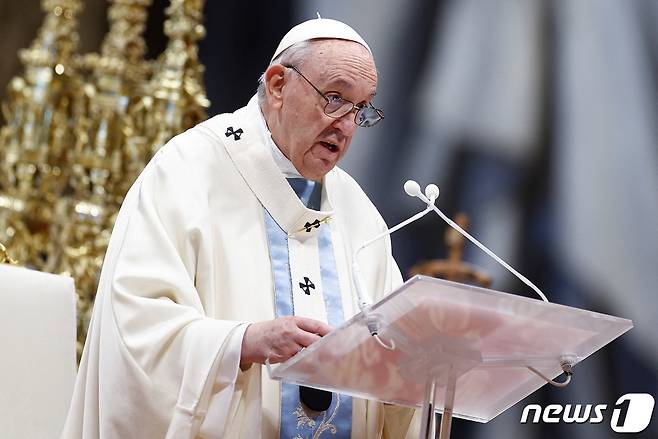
337, 107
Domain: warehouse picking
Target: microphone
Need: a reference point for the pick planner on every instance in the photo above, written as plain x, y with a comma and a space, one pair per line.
432, 192
412, 188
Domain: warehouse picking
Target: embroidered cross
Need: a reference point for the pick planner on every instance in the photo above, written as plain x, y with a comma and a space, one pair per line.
307, 286
236, 134
308, 225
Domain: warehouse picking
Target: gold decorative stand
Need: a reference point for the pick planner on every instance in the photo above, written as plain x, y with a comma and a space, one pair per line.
454, 268
80, 128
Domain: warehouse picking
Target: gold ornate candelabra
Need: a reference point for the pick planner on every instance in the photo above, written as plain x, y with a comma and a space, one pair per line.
80, 128
4, 256
177, 98
42, 103
105, 158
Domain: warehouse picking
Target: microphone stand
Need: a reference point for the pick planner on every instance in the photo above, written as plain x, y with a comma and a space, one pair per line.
412, 189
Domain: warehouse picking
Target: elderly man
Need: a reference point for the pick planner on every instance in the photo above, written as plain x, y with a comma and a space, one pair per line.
233, 247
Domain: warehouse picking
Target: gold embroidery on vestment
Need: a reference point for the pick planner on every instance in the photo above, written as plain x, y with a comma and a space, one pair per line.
303, 419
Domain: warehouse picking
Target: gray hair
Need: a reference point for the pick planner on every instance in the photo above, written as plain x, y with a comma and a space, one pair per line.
294, 55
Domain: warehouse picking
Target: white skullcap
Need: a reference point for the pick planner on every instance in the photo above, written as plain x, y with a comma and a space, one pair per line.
319, 28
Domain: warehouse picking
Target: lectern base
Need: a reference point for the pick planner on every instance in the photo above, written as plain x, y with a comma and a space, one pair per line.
429, 419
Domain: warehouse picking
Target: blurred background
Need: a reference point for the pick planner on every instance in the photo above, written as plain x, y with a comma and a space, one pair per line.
536, 118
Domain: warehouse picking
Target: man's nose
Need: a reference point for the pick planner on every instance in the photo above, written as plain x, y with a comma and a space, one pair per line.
346, 124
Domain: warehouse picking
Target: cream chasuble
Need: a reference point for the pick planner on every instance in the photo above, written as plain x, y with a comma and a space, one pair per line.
189, 265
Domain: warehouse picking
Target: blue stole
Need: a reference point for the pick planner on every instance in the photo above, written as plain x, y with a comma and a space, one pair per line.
296, 423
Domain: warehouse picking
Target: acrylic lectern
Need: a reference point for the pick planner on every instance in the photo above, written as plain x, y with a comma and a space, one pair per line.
451, 348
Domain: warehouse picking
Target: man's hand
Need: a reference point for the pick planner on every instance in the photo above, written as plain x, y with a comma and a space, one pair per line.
279, 339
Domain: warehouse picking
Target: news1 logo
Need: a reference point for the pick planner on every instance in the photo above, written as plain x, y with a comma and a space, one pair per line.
631, 413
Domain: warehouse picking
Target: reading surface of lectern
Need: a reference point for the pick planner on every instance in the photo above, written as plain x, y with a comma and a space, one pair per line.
456, 347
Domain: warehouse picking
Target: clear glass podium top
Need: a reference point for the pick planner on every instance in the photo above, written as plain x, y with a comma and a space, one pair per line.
484, 339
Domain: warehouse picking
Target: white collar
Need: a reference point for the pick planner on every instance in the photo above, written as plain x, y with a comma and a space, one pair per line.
285, 166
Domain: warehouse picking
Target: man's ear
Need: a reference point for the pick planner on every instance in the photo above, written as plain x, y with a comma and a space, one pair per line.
274, 82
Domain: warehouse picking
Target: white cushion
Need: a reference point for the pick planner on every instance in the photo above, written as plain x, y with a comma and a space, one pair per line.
37, 347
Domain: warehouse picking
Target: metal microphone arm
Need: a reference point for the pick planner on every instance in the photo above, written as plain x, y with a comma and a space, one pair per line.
455, 226
362, 297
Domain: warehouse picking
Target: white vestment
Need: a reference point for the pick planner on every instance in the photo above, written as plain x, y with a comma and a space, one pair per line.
188, 267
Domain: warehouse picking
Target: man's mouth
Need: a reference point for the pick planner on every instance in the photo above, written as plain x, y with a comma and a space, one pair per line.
330, 146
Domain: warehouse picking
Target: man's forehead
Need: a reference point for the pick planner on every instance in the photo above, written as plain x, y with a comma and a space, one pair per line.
344, 74
340, 83
333, 51
333, 58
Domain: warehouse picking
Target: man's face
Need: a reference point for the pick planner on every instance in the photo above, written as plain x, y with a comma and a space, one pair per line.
313, 141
